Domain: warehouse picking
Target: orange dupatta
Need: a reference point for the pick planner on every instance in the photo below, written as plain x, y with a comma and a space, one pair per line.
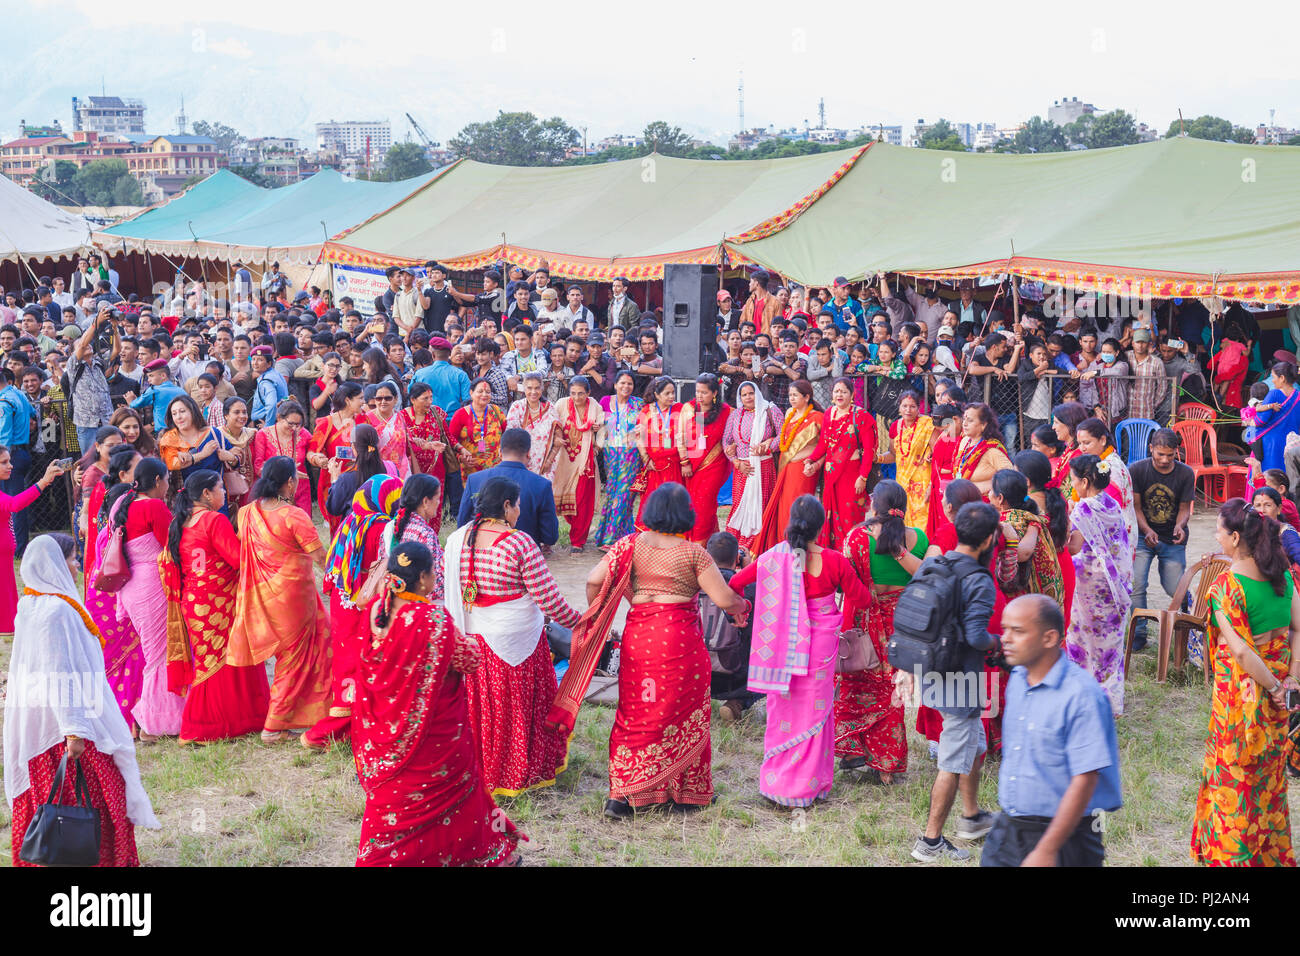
270, 587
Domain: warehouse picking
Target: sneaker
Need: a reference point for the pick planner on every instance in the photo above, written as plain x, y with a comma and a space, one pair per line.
972, 828
923, 852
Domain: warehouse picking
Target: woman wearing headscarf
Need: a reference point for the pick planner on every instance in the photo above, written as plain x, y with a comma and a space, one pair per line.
200, 569
500, 591
54, 637
751, 435
352, 553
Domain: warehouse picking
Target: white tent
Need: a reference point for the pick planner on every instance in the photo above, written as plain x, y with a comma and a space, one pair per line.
31, 228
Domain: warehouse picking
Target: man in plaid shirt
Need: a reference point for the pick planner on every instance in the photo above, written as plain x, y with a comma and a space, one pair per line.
1151, 381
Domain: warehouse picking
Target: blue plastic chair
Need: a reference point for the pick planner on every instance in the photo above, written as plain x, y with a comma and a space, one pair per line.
1131, 437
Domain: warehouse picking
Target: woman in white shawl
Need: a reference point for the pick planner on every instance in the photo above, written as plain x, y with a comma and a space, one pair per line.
752, 433
499, 591
59, 700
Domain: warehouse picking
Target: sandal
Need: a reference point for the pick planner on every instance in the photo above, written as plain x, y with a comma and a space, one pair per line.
272, 737
315, 747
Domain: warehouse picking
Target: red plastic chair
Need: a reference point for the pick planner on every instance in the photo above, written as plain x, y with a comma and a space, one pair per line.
1195, 411
1196, 435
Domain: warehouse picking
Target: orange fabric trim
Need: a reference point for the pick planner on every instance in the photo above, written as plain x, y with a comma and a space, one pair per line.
85, 618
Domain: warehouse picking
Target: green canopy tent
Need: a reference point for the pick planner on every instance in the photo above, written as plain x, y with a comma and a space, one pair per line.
1178, 217
591, 222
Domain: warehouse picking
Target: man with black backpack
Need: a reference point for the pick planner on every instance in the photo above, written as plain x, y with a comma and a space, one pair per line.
940, 636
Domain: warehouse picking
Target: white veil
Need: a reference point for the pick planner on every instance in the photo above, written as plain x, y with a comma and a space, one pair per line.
748, 516
57, 684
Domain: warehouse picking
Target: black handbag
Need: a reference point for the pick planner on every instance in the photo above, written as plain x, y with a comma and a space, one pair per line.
63, 835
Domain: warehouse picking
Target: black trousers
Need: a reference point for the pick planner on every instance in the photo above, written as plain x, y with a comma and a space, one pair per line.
1014, 838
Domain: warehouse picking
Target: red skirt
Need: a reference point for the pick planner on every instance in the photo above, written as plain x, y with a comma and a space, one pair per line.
659, 748
435, 811
844, 508
507, 709
791, 482
230, 703
349, 626
867, 724
665, 459
107, 795
704, 486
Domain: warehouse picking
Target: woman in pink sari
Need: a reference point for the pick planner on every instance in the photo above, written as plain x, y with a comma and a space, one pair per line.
797, 627
394, 443
145, 519
123, 658
287, 437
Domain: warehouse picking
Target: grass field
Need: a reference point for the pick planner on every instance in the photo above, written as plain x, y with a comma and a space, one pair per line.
241, 804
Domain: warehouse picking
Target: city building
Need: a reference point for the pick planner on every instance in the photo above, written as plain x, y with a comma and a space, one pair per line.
750, 138
108, 114
32, 130
351, 137
618, 141
1066, 111
163, 164
1268, 135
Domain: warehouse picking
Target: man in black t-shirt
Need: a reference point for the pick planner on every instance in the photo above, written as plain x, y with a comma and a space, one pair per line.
995, 360
436, 299
1163, 488
384, 303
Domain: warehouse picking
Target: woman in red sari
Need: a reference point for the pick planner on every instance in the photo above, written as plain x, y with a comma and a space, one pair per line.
354, 549
333, 431
870, 736
846, 449
659, 748
658, 425
795, 442
425, 800
699, 451
943, 460
426, 429
289, 439
571, 457
1066, 420
200, 570
980, 453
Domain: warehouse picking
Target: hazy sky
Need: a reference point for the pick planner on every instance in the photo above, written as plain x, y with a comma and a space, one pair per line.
267, 67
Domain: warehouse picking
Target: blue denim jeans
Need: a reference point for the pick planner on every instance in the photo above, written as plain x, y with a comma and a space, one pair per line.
21, 457
1172, 562
1010, 425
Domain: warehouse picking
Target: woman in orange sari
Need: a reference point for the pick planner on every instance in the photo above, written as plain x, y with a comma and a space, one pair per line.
847, 449
572, 455
425, 800
658, 424
200, 568
980, 453
795, 441
278, 610
659, 748
333, 431
912, 437
1242, 817
699, 450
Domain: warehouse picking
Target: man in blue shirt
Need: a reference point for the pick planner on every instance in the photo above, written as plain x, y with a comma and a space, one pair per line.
1060, 758
271, 390
159, 394
448, 384
841, 307
16, 417
537, 517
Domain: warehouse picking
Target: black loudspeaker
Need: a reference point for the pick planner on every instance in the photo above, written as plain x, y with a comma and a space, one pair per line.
690, 329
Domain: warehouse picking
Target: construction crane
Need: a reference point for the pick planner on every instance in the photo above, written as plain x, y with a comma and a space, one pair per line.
419, 131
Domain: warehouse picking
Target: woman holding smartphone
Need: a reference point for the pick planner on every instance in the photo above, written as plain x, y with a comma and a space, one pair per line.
332, 436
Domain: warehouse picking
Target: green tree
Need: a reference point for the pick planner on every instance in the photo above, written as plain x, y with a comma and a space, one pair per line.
1116, 128
1293, 141
127, 192
1241, 134
1076, 133
1038, 136
516, 139
54, 183
664, 139
98, 182
405, 161
226, 137
942, 135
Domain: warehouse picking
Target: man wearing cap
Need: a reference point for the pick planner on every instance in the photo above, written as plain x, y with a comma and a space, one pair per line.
599, 367
91, 403
158, 395
622, 310
271, 388
760, 308
844, 311
436, 298
1147, 391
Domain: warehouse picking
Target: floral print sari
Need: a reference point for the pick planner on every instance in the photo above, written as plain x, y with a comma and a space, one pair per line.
1103, 590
